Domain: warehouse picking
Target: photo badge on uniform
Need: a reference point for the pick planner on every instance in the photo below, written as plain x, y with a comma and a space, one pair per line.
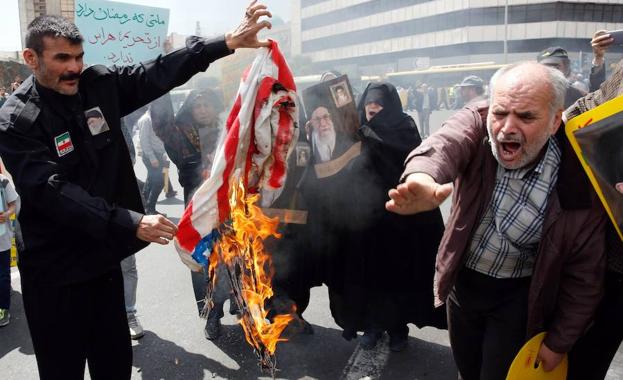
63, 144
96, 121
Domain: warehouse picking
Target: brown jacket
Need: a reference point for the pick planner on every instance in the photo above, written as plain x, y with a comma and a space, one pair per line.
568, 277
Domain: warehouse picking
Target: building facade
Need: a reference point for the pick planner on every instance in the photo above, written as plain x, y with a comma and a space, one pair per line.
31, 9
384, 36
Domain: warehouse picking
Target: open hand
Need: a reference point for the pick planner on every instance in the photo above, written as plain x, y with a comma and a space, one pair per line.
418, 193
156, 229
245, 35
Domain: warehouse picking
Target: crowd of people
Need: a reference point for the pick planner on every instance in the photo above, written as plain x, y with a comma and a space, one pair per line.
526, 248
425, 98
6, 91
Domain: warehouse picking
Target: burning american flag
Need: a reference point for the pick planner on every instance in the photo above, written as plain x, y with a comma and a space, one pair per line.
222, 224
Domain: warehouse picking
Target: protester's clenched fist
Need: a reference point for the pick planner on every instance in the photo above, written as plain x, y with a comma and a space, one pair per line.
156, 229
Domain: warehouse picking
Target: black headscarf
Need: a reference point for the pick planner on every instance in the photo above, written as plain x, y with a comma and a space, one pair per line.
390, 135
384, 94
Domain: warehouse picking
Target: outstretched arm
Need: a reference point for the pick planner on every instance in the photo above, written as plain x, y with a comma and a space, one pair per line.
418, 193
438, 161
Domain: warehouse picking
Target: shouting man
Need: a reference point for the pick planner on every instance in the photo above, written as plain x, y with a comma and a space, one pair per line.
523, 251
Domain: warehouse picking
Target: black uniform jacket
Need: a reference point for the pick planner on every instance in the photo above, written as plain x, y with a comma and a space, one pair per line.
80, 201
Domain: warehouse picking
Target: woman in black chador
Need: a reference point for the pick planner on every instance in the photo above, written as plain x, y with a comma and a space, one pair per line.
382, 278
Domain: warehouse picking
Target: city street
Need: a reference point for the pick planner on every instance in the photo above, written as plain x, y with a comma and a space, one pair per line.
174, 346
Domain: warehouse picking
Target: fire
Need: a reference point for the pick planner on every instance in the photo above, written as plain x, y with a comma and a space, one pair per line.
241, 249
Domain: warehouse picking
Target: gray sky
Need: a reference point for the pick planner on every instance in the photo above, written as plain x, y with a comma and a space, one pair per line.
215, 16
9, 27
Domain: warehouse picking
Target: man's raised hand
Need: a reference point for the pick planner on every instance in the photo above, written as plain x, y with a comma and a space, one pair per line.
245, 35
418, 193
600, 43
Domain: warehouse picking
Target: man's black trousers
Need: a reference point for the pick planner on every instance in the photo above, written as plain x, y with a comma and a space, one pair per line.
78, 323
591, 356
487, 324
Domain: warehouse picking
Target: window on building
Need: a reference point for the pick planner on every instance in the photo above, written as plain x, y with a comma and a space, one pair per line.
548, 12
517, 14
534, 13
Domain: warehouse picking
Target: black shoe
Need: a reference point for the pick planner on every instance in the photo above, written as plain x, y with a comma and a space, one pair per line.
233, 308
171, 194
398, 343
349, 334
213, 329
370, 339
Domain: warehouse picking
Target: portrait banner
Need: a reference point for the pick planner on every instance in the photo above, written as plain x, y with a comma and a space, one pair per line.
120, 33
331, 124
337, 96
596, 137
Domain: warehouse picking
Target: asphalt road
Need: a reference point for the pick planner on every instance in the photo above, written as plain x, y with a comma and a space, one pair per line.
174, 346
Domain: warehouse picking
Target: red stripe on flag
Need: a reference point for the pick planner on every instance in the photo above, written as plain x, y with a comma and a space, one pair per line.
285, 75
249, 161
263, 93
282, 142
187, 236
231, 146
233, 114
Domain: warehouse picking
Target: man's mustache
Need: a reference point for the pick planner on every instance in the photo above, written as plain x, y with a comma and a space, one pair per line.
511, 138
68, 77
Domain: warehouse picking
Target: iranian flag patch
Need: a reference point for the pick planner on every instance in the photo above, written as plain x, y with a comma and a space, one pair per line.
63, 144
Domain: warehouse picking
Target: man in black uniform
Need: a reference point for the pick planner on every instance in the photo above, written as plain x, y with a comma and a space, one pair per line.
82, 211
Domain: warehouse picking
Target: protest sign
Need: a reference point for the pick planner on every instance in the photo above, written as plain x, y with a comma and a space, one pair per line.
120, 33
596, 137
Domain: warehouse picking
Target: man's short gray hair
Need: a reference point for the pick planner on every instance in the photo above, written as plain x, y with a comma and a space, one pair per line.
556, 79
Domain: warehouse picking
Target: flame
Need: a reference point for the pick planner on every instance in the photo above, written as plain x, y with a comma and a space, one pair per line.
241, 249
